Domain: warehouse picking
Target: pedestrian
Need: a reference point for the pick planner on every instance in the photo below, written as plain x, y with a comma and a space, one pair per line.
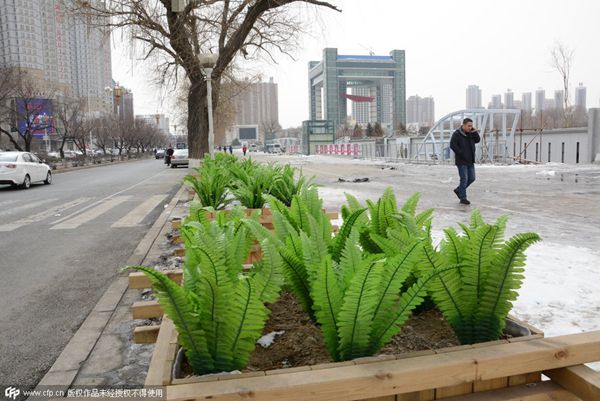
225, 148
244, 150
219, 148
463, 145
230, 150
168, 155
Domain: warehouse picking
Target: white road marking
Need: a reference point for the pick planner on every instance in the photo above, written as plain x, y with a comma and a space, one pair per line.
25, 207
137, 215
108, 197
90, 214
42, 215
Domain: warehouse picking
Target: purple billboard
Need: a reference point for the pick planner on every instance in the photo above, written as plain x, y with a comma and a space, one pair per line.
35, 116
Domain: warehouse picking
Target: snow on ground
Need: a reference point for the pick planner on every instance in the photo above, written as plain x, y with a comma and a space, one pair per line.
561, 290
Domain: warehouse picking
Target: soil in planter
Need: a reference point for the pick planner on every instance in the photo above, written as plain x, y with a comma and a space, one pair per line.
302, 343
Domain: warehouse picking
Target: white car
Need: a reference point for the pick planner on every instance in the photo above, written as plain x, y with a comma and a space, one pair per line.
23, 169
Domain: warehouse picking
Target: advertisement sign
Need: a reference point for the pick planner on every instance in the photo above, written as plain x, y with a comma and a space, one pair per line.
36, 116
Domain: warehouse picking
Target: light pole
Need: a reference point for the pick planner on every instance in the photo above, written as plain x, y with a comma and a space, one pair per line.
207, 62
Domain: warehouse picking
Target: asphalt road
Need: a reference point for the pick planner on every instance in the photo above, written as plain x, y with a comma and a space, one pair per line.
61, 246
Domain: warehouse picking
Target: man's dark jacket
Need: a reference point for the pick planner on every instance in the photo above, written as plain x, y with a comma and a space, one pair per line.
463, 146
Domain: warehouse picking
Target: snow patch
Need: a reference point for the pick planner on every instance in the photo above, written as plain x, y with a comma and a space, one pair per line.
267, 340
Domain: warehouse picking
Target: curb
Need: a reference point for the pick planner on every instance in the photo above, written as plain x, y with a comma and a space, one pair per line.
66, 367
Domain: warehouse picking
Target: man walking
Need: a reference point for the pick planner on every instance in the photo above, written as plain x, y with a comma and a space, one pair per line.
463, 145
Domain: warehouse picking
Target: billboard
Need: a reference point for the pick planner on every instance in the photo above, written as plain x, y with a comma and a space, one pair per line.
248, 133
35, 115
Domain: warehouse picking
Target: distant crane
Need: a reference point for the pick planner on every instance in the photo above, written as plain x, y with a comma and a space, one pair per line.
369, 49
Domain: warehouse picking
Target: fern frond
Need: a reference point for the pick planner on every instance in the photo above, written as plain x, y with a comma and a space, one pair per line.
340, 239
267, 273
410, 206
177, 305
395, 271
504, 279
476, 219
350, 259
356, 314
327, 296
246, 319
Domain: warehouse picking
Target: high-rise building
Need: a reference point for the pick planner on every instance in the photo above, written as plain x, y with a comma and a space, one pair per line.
496, 102
473, 97
361, 111
540, 100
509, 99
559, 99
580, 97
123, 102
420, 110
257, 104
57, 49
526, 104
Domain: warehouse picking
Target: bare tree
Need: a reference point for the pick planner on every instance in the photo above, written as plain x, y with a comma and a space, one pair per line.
270, 129
562, 59
226, 27
7, 89
69, 115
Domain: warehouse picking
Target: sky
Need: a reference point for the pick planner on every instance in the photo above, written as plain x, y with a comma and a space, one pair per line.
449, 45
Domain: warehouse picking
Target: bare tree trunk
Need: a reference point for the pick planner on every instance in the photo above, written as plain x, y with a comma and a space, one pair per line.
12, 140
197, 119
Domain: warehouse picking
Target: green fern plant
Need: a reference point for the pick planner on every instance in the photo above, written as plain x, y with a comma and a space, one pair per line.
360, 303
286, 186
385, 225
251, 182
212, 182
220, 311
477, 296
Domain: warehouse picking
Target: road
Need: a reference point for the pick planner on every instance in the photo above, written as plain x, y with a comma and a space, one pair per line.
61, 246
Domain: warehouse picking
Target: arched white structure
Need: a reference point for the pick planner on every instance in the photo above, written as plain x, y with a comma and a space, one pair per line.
496, 136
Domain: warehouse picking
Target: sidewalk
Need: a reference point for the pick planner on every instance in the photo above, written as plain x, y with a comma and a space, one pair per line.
102, 352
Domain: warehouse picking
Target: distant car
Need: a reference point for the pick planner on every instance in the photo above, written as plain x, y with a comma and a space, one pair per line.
253, 148
160, 154
22, 169
179, 158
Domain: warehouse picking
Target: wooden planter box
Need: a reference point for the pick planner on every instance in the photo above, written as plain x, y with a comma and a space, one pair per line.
505, 366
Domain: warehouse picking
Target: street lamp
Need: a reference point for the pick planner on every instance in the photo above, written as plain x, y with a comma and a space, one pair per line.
207, 62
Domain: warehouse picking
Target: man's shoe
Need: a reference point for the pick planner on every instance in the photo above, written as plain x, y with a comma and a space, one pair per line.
455, 190
465, 202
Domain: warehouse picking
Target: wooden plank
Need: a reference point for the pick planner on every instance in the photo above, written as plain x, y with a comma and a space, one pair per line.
160, 356
179, 252
546, 391
388, 398
145, 334
176, 224
581, 380
460, 389
493, 384
146, 310
425, 395
138, 280
333, 215
378, 379
526, 378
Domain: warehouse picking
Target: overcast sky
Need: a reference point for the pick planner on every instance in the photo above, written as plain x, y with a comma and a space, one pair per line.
449, 44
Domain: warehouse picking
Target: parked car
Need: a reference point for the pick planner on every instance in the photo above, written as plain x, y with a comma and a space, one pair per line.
160, 154
179, 158
22, 169
253, 147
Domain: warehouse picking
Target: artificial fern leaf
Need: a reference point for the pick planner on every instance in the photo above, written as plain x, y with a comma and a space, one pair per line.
477, 257
394, 318
445, 286
476, 219
177, 306
423, 217
410, 206
245, 320
387, 246
356, 314
340, 239
296, 275
350, 259
500, 290
327, 296
395, 271
453, 247
267, 274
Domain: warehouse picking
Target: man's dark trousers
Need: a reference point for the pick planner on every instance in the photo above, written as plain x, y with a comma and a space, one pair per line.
467, 177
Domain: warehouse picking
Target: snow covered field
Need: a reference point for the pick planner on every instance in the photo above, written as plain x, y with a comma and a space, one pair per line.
561, 292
